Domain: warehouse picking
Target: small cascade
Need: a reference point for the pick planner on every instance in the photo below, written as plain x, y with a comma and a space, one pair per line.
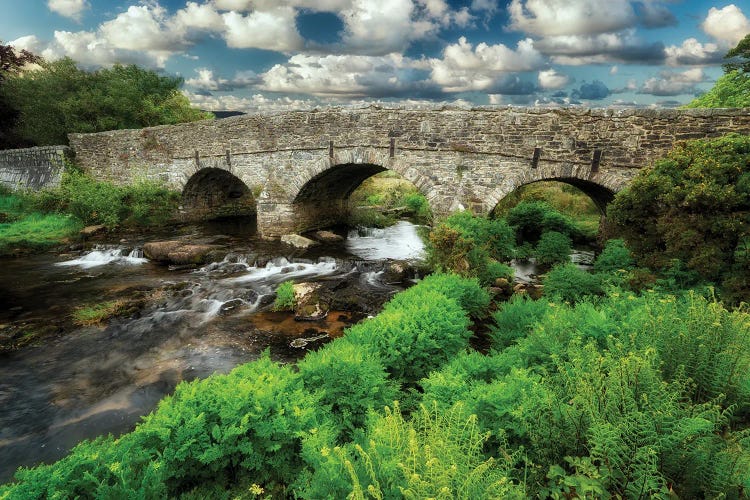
102, 255
280, 269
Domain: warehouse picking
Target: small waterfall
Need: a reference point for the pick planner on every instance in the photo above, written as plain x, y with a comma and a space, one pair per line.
102, 255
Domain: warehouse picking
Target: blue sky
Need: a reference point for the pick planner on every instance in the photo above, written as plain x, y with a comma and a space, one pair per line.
252, 55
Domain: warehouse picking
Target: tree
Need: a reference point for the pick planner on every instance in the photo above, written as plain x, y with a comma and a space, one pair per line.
60, 98
731, 90
10, 64
741, 56
693, 206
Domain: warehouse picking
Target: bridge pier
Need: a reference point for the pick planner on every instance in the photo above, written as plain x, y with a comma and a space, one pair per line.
276, 219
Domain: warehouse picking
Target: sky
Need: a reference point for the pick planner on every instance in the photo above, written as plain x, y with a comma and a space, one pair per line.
270, 55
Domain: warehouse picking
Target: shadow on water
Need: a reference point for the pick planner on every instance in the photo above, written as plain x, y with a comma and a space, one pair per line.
194, 322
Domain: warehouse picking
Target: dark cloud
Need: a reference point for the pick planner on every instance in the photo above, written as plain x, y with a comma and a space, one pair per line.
593, 91
654, 15
513, 85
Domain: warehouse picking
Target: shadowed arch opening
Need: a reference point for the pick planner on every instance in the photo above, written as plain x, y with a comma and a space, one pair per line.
326, 199
338, 182
583, 202
213, 193
599, 195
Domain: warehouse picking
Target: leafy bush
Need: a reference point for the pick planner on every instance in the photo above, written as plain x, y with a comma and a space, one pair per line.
615, 257
553, 248
417, 203
285, 299
531, 219
694, 206
347, 382
466, 291
515, 319
97, 202
569, 283
416, 333
438, 454
249, 422
472, 246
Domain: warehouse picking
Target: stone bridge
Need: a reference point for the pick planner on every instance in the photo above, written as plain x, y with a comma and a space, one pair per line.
296, 170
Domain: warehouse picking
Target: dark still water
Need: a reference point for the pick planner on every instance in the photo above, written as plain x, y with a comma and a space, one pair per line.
80, 382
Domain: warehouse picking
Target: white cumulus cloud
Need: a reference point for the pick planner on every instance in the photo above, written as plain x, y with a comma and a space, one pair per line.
570, 17
670, 83
68, 8
464, 67
728, 24
551, 79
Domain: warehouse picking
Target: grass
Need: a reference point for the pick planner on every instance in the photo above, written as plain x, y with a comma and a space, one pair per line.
95, 314
37, 231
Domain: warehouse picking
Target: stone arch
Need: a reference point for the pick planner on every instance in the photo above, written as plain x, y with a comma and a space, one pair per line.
600, 186
318, 194
212, 192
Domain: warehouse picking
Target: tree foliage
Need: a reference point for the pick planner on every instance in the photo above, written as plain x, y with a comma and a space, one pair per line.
11, 63
694, 206
732, 90
60, 98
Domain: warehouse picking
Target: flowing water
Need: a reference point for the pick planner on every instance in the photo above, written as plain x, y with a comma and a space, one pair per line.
81, 382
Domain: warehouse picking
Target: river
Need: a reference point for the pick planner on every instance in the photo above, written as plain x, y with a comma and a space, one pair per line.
81, 382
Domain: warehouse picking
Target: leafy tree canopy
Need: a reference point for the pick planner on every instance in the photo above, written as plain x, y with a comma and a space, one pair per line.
732, 90
60, 98
10, 63
694, 206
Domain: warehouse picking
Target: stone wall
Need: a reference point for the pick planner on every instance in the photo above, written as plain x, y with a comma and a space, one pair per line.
457, 158
33, 168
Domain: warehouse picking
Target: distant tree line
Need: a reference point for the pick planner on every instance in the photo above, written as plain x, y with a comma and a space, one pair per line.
42, 101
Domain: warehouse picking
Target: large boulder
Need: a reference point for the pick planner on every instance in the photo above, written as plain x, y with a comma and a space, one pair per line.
177, 252
298, 241
312, 301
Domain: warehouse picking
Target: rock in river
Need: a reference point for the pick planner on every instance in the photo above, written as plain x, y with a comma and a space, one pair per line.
177, 252
313, 301
298, 241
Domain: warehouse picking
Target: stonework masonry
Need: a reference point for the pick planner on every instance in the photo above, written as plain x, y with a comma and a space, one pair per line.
301, 166
33, 168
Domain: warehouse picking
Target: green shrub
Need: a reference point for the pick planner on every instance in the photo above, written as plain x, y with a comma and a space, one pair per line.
531, 219
417, 204
693, 206
493, 235
415, 334
347, 382
248, 423
285, 298
516, 319
466, 291
569, 283
615, 257
553, 248
472, 246
438, 454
